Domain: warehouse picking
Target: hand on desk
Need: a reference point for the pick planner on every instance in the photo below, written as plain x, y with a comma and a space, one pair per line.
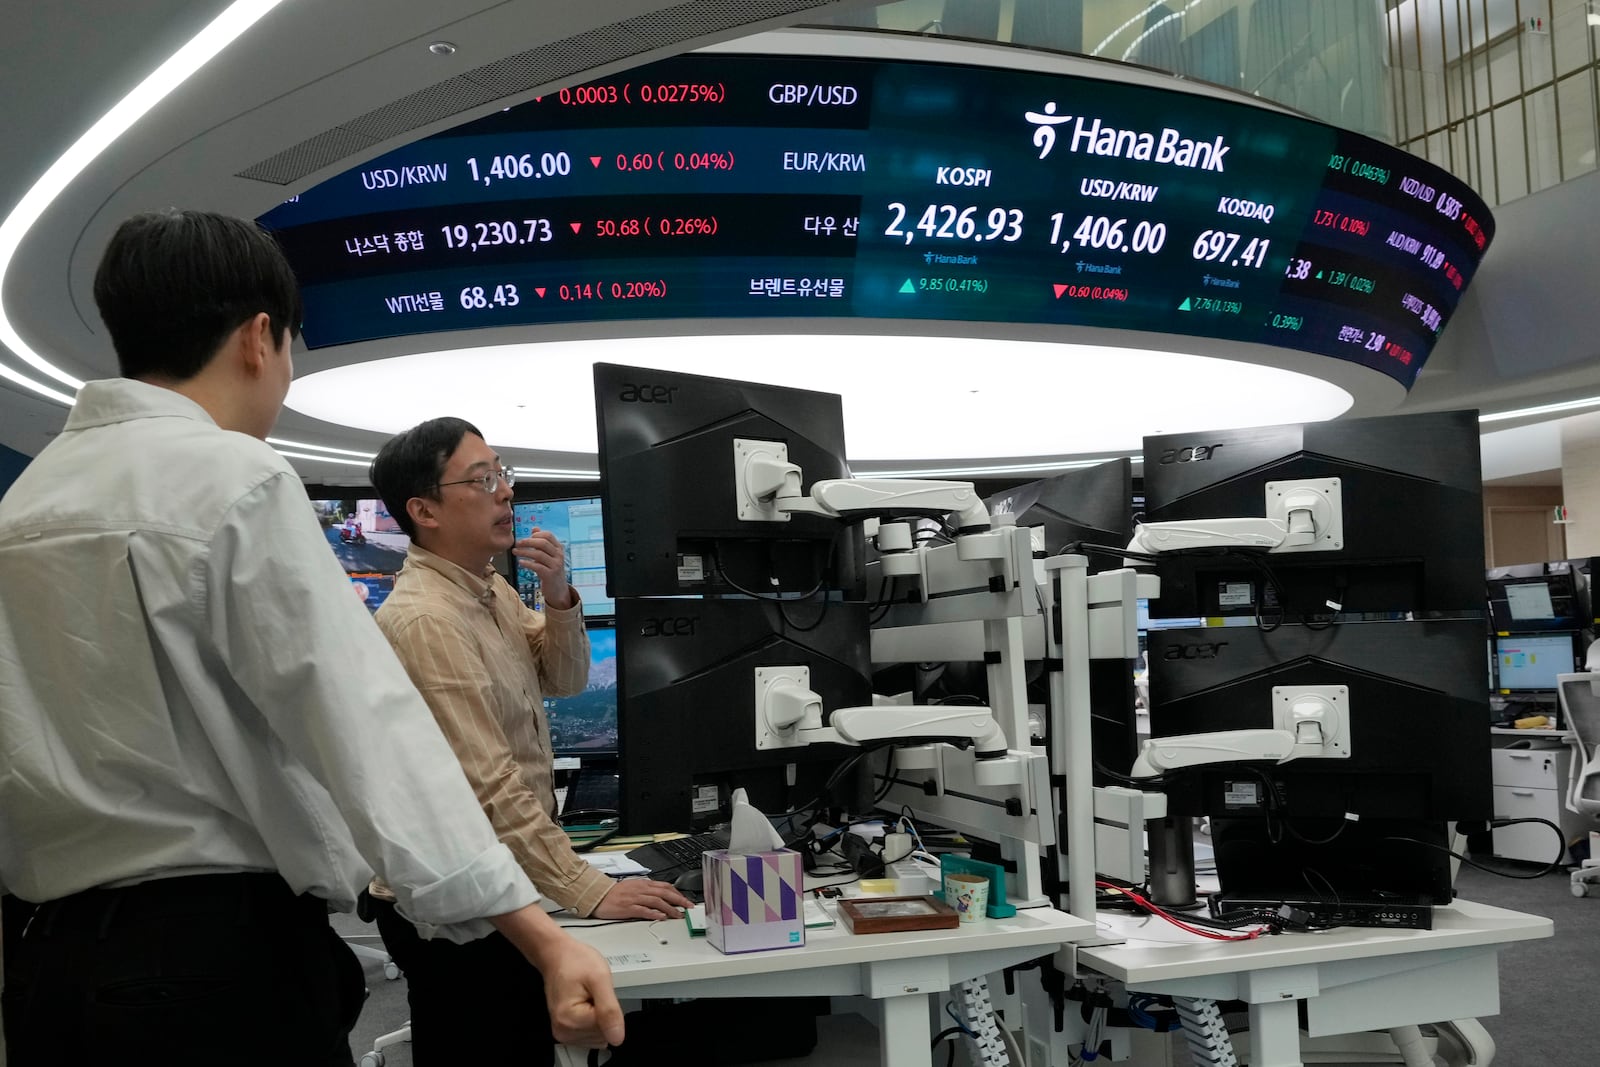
641, 898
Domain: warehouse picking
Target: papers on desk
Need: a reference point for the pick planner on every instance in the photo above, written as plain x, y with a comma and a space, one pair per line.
615, 864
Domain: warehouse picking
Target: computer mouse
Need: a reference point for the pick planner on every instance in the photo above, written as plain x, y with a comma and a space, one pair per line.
691, 881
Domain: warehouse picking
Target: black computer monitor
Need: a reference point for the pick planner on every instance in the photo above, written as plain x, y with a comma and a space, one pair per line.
667, 474
578, 524
1092, 505
1545, 600
585, 724
1419, 751
686, 705
1529, 663
1412, 491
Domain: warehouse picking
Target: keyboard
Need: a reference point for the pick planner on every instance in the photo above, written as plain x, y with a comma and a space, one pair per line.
673, 856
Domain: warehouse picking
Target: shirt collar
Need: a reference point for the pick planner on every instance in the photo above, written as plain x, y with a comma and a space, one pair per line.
480, 586
112, 400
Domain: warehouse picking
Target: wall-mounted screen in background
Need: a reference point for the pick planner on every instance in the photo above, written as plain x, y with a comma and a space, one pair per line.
718, 186
368, 544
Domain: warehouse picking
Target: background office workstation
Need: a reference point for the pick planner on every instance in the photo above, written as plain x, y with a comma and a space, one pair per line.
1152, 448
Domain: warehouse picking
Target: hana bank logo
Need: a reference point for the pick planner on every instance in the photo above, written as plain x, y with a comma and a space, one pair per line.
1044, 138
1092, 136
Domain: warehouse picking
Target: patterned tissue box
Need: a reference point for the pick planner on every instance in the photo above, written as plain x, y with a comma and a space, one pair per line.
754, 900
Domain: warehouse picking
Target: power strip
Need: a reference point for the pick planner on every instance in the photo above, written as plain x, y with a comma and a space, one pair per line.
1381, 914
913, 879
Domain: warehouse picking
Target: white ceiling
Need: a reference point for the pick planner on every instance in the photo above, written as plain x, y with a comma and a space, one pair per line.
1516, 340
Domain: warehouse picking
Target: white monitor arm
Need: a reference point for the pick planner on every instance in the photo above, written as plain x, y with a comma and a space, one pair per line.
789, 715
1309, 721
769, 491
1301, 516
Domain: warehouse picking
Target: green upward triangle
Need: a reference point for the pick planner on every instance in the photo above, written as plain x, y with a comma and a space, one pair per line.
1319, 274
908, 287
1185, 305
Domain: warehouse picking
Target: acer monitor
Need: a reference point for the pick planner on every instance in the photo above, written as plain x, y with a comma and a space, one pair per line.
686, 706
1419, 753
667, 478
585, 724
1093, 505
1412, 490
578, 525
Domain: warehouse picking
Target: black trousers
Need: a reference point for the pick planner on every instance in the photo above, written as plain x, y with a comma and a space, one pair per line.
481, 1002
221, 968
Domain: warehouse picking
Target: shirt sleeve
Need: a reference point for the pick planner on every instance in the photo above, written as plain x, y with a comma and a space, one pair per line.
308, 656
560, 647
448, 670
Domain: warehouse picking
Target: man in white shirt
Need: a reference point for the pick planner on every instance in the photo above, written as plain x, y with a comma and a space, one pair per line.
205, 743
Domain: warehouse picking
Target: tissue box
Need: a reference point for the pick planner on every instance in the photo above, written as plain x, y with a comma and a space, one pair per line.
753, 900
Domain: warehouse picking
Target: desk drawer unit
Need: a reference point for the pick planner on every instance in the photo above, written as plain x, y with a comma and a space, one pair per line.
1536, 768
1529, 784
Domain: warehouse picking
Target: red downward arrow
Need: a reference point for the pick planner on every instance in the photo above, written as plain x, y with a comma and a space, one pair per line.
537, 99
595, 160
1059, 290
540, 290
576, 226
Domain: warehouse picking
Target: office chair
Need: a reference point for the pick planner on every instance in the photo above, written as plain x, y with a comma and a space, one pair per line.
376, 955
1579, 698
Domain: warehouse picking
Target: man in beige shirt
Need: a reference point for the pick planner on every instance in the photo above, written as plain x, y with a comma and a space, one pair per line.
483, 662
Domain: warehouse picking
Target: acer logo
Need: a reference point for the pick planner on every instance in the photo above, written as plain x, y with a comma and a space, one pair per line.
1208, 650
682, 626
646, 394
1193, 454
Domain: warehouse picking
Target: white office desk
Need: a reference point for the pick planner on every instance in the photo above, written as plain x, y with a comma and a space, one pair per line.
1350, 980
898, 971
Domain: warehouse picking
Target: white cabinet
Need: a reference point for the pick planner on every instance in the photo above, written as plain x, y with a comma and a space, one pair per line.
1532, 783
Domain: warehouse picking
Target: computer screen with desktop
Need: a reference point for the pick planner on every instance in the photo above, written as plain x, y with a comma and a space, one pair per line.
686, 704
578, 524
1529, 663
667, 474
1533, 597
585, 724
368, 543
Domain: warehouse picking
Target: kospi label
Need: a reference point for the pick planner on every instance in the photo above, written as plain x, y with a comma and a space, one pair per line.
813, 95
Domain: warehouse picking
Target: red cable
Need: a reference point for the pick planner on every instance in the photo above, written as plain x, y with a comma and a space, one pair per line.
1175, 921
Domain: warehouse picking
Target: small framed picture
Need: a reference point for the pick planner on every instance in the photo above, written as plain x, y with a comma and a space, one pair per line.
885, 915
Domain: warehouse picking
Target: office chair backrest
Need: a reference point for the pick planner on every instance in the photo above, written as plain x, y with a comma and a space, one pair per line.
1580, 712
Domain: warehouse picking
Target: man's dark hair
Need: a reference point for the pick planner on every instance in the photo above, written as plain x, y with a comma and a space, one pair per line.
411, 464
172, 285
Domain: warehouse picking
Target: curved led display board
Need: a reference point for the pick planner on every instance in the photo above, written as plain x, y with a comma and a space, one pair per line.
728, 186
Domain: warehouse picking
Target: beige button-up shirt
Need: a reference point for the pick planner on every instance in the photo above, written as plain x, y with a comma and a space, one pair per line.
483, 662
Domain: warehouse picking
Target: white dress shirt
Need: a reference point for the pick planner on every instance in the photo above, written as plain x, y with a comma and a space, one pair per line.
189, 685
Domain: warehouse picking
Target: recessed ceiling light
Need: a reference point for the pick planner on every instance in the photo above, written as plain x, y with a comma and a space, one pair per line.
442, 48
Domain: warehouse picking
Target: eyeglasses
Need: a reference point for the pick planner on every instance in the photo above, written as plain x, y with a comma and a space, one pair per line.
489, 481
